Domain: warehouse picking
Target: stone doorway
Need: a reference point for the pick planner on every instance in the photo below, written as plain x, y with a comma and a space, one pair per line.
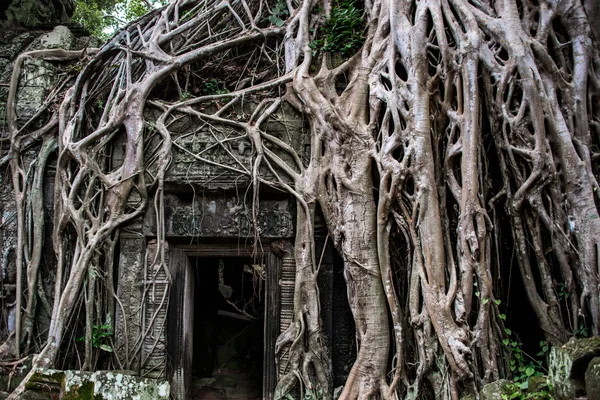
222, 322
228, 328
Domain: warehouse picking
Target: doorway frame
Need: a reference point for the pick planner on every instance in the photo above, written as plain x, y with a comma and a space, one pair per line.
271, 329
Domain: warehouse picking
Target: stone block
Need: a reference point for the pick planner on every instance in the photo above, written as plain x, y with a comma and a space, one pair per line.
567, 366
14, 41
221, 157
105, 385
592, 379
59, 38
32, 13
495, 390
37, 77
84, 42
130, 276
222, 217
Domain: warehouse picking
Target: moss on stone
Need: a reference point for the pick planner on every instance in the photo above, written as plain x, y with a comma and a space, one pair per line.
568, 363
495, 390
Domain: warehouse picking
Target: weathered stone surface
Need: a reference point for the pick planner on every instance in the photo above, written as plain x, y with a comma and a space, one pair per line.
221, 217
567, 366
128, 318
592, 379
537, 384
495, 390
114, 386
37, 78
221, 157
38, 12
104, 385
60, 37
8, 238
14, 41
84, 42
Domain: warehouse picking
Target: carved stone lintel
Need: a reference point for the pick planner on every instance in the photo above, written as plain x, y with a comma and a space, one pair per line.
222, 217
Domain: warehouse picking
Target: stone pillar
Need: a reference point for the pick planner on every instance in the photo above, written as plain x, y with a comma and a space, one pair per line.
287, 284
129, 307
273, 324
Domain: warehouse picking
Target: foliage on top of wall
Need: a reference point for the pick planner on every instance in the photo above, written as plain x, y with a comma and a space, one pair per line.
102, 18
343, 32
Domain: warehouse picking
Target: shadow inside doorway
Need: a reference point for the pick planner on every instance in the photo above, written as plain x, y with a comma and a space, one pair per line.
228, 328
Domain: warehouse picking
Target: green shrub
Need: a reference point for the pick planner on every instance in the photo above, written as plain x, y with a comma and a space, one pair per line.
343, 32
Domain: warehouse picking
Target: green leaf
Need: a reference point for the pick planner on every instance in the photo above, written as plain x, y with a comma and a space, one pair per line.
106, 347
505, 342
502, 317
485, 301
530, 371
497, 302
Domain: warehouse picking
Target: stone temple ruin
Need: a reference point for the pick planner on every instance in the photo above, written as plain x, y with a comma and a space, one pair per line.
229, 296
209, 229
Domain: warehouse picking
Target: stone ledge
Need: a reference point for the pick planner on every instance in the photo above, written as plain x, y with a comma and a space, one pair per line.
101, 385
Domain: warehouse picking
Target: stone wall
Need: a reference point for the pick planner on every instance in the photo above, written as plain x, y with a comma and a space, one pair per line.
206, 202
34, 86
36, 13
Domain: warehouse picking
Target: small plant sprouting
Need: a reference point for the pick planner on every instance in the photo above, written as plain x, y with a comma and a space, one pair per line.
151, 126
524, 369
100, 336
563, 292
279, 14
76, 68
213, 86
582, 331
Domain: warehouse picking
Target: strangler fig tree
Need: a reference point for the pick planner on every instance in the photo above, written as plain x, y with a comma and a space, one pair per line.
448, 139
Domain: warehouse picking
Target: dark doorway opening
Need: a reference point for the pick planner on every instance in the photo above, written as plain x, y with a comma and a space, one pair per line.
228, 337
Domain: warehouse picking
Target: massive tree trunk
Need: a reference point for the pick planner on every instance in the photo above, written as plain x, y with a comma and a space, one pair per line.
464, 133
